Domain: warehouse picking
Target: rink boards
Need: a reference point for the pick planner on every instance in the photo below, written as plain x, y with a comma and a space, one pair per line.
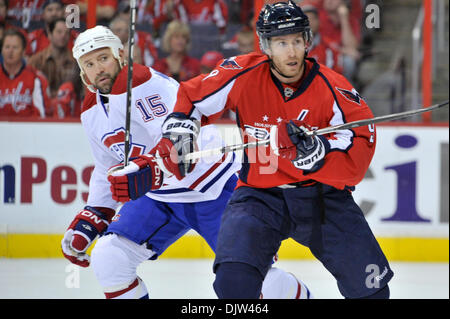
45, 169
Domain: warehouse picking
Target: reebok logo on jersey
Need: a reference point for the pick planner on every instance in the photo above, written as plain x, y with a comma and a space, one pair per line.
230, 64
352, 95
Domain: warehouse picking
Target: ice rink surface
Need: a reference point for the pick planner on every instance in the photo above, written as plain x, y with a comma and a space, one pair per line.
193, 278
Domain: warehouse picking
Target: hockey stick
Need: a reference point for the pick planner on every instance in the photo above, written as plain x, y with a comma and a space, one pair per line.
326, 130
129, 79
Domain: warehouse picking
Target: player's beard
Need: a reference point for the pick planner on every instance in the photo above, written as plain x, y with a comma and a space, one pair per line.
104, 82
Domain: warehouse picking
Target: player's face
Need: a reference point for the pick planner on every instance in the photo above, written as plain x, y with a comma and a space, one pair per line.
287, 53
101, 68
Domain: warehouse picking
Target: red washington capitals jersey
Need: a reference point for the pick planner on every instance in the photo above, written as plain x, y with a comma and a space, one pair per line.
324, 98
25, 94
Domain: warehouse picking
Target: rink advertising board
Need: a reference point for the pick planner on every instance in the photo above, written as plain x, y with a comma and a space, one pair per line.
45, 170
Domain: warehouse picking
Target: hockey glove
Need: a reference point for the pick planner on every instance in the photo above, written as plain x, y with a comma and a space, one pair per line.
305, 152
140, 176
83, 230
179, 135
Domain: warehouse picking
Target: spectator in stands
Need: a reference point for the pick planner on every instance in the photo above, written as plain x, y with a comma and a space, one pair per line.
120, 27
242, 42
106, 10
5, 21
337, 23
241, 11
144, 40
24, 12
55, 61
38, 39
245, 39
209, 61
176, 42
23, 90
202, 12
153, 13
69, 99
321, 48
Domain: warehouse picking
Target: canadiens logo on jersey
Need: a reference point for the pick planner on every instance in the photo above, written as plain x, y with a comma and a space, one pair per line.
352, 95
115, 142
230, 64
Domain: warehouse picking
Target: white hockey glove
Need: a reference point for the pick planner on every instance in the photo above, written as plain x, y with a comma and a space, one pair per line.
179, 135
86, 226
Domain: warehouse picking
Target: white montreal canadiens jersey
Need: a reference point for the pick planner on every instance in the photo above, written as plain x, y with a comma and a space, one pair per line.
153, 98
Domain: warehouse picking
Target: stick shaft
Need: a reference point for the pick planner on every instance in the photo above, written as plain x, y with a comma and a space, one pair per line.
378, 119
326, 130
129, 80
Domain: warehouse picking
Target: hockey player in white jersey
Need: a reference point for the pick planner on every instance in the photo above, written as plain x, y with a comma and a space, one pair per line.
158, 208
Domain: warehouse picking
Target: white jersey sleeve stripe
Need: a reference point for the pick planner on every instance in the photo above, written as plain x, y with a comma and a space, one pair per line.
344, 138
218, 100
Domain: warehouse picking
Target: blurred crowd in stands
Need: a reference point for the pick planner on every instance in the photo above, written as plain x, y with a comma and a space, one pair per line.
181, 38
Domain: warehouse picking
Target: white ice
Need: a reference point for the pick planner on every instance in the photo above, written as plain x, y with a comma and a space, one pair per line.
193, 278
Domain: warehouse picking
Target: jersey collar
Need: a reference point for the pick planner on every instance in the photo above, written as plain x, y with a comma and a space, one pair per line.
306, 80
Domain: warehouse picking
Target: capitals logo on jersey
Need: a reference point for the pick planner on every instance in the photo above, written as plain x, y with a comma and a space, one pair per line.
230, 64
115, 142
352, 95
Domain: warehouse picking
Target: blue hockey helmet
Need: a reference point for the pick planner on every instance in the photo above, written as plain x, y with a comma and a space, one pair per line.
281, 18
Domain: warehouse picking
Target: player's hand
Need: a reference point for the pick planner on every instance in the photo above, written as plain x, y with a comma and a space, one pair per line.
179, 135
140, 176
83, 230
288, 140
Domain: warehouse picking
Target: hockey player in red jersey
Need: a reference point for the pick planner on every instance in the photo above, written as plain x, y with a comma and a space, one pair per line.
162, 208
299, 187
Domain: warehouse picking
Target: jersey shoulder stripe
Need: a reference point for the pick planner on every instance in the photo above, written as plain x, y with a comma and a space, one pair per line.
235, 67
141, 74
89, 101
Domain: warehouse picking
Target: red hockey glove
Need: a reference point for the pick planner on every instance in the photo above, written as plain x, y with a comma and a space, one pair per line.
140, 176
305, 152
178, 139
83, 230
